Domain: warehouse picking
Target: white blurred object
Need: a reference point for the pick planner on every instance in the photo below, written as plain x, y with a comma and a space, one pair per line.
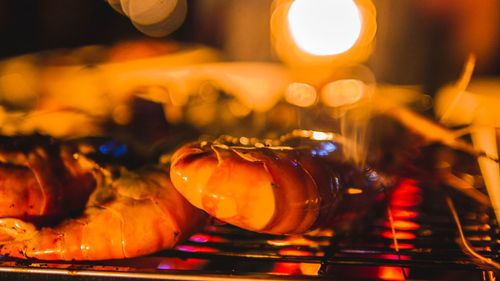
324, 27
476, 104
155, 18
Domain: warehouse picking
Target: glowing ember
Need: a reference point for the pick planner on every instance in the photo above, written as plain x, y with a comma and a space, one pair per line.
403, 214
324, 27
296, 241
293, 267
402, 246
403, 225
391, 273
202, 238
399, 235
187, 248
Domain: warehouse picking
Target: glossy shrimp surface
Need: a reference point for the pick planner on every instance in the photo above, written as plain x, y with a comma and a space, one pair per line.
42, 183
136, 214
277, 190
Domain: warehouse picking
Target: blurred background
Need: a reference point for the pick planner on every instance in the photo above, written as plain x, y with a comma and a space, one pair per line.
424, 42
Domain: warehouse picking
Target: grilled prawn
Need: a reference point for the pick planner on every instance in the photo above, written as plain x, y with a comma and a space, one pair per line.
133, 215
274, 189
43, 182
308, 182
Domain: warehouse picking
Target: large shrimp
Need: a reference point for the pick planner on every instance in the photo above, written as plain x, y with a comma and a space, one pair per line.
41, 182
273, 189
136, 214
306, 181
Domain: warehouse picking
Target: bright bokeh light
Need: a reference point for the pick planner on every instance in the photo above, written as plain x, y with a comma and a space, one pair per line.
342, 92
324, 27
300, 94
319, 136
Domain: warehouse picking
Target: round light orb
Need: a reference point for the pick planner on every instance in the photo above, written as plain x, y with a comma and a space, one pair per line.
324, 27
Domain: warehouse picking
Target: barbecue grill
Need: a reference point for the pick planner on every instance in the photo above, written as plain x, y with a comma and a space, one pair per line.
415, 232
402, 239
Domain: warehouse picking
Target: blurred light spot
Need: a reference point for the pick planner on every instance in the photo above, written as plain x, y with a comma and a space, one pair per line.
153, 17
319, 135
322, 152
373, 176
295, 241
354, 190
201, 238
404, 199
402, 246
328, 146
300, 94
342, 92
244, 141
165, 265
104, 149
120, 150
403, 214
399, 235
404, 225
324, 27
113, 148
187, 248
391, 273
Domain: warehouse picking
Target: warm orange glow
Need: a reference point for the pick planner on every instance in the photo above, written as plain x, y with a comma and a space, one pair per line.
391, 273
403, 225
19, 80
324, 27
199, 249
293, 252
322, 32
399, 235
300, 94
153, 17
407, 194
296, 241
342, 92
295, 267
402, 246
319, 136
180, 264
403, 214
201, 238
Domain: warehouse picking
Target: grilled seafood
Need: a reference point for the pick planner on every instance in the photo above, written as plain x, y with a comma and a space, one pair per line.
133, 215
273, 189
41, 182
306, 181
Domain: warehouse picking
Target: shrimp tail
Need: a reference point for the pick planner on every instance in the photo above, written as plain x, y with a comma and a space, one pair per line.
12, 231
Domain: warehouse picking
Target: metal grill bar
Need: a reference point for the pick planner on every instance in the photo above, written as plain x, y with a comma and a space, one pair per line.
226, 252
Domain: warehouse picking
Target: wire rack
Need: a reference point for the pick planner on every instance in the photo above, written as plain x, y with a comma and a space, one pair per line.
412, 235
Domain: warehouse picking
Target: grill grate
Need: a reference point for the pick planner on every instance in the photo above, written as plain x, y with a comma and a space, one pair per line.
426, 248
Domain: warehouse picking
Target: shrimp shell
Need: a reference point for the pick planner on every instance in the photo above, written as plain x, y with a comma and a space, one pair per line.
276, 190
137, 214
42, 183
